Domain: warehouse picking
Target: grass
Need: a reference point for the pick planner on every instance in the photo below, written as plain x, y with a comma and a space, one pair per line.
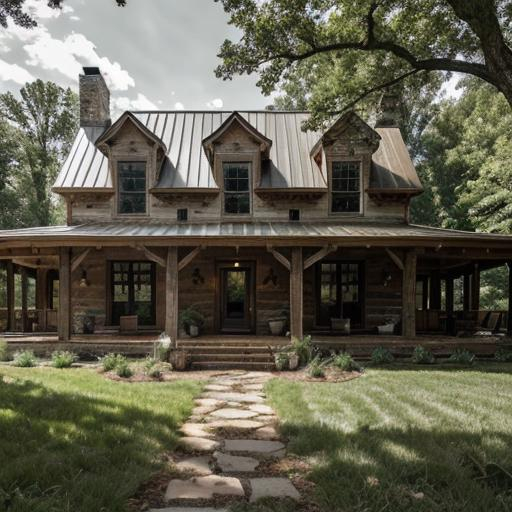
70, 440
403, 438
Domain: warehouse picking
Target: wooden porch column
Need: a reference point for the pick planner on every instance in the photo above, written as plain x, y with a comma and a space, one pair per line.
11, 305
435, 291
509, 314
296, 292
409, 295
449, 305
171, 294
41, 298
64, 294
475, 288
24, 299
466, 288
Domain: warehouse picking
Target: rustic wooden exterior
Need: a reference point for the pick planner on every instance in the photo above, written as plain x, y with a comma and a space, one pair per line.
285, 243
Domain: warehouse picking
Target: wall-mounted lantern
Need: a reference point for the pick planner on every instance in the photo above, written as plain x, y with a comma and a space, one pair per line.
197, 278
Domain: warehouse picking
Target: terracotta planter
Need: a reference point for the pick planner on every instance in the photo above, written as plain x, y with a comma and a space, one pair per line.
179, 360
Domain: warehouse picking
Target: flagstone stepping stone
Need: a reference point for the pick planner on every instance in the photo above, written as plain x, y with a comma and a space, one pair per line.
233, 414
196, 430
199, 444
216, 387
273, 487
266, 419
267, 433
203, 487
261, 409
235, 463
254, 387
233, 404
203, 409
234, 397
235, 424
253, 445
197, 465
188, 509
209, 402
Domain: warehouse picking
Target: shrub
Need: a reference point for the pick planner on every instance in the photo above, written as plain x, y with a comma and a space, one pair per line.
25, 359
503, 355
155, 371
123, 369
191, 316
4, 355
421, 355
303, 347
462, 356
382, 355
111, 361
315, 369
63, 359
345, 362
282, 361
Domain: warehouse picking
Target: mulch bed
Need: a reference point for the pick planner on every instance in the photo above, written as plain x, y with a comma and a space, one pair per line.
331, 375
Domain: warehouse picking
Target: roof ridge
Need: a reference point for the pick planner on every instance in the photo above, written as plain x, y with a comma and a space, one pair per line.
223, 111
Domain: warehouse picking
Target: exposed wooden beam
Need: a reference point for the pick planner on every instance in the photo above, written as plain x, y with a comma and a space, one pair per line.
11, 315
409, 295
64, 294
23, 262
279, 257
171, 294
319, 255
189, 257
296, 293
396, 259
75, 262
151, 256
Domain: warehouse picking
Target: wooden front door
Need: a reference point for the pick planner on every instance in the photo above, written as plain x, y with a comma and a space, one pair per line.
339, 292
236, 298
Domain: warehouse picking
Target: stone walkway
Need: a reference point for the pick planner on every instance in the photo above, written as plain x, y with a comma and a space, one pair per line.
228, 443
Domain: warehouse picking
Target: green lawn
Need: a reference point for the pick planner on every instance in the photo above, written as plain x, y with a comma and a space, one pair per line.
70, 440
375, 441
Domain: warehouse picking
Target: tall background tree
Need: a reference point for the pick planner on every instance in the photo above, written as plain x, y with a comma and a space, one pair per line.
36, 132
345, 50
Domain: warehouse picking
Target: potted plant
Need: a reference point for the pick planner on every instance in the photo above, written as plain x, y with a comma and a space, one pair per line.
191, 320
341, 324
293, 361
277, 324
281, 360
388, 327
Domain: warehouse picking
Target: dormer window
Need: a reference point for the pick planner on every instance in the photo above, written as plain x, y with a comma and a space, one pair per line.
345, 187
131, 188
237, 188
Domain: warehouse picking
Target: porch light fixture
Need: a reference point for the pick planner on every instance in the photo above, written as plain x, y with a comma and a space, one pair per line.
197, 278
83, 280
237, 264
387, 278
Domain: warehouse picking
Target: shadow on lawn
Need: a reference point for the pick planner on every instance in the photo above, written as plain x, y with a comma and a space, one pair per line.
77, 452
479, 366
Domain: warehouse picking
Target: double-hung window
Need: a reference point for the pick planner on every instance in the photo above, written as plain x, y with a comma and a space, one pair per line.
346, 187
131, 187
237, 188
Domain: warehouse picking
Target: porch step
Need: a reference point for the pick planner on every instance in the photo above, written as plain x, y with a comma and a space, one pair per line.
229, 357
232, 365
221, 349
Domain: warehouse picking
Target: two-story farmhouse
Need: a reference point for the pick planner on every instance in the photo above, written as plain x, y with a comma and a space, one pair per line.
245, 217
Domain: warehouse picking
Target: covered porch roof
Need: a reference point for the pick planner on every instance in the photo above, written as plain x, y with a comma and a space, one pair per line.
253, 233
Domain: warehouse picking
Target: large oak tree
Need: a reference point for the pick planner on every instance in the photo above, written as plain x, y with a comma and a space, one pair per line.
366, 45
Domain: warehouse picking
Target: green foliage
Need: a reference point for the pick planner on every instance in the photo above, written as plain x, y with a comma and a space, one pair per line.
303, 347
421, 355
191, 316
462, 356
42, 123
123, 368
315, 368
25, 359
282, 361
345, 362
382, 355
504, 355
111, 361
63, 359
4, 352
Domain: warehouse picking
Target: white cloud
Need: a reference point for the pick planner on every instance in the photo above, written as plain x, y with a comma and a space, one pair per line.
14, 73
74, 18
123, 103
69, 55
179, 106
215, 103
39, 9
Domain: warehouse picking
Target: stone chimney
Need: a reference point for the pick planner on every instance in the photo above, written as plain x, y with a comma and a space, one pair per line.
94, 99
388, 112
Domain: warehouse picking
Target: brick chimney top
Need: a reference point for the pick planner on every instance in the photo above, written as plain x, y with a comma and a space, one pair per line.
94, 99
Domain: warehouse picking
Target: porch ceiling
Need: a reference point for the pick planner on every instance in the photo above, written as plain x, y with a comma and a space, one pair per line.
252, 233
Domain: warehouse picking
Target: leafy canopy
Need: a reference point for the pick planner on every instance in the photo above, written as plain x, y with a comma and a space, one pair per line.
339, 51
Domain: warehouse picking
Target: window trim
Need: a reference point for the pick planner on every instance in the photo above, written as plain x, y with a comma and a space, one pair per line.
240, 159
125, 160
333, 159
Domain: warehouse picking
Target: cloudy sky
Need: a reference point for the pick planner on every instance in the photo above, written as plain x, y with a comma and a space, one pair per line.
154, 54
